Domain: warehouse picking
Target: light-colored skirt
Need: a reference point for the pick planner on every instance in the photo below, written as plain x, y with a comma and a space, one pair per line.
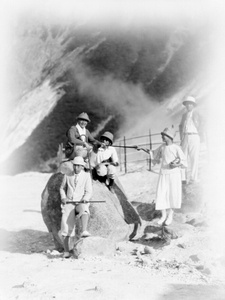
169, 189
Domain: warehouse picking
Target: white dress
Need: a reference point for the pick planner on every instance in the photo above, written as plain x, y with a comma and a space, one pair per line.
169, 187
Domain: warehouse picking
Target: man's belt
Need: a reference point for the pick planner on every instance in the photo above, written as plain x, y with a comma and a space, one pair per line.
191, 133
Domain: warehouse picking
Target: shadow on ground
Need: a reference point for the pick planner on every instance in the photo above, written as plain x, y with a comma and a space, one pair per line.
26, 241
193, 292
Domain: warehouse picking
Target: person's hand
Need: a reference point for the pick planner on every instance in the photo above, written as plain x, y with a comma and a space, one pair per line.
84, 201
64, 201
85, 145
175, 163
115, 164
103, 145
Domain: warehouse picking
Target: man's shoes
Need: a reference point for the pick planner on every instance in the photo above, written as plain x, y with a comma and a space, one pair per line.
109, 184
66, 255
85, 234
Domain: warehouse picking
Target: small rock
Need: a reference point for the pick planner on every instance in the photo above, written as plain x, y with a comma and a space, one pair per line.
206, 271
200, 267
148, 250
194, 258
149, 236
95, 246
55, 252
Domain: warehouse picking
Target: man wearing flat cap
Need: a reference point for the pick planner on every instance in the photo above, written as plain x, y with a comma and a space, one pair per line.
190, 130
80, 138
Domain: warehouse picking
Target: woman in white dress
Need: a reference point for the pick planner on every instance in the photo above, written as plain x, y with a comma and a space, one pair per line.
169, 187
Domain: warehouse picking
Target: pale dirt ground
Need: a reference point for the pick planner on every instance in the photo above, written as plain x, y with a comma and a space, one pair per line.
28, 271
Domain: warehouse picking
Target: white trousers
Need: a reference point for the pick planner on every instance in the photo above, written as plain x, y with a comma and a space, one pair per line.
191, 148
103, 170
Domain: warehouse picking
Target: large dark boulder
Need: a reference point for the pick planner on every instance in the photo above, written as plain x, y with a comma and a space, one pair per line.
111, 219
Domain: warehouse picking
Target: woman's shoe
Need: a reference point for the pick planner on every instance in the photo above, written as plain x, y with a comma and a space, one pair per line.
169, 219
163, 218
161, 221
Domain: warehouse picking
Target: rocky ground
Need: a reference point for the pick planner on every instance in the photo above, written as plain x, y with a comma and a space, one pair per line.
181, 263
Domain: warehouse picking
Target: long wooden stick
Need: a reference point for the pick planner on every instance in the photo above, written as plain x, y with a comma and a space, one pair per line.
86, 202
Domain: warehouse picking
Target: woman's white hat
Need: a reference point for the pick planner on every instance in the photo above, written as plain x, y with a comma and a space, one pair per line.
189, 99
170, 132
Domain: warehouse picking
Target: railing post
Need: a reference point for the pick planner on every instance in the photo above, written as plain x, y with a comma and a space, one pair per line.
125, 154
120, 156
150, 146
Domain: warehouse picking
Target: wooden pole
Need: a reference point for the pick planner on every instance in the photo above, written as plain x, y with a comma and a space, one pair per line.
125, 154
120, 157
150, 146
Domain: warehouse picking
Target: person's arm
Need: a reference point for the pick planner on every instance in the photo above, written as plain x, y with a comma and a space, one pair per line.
180, 161
92, 140
62, 190
73, 136
114, 158
181, 127
201, 126
156, 154
88, 189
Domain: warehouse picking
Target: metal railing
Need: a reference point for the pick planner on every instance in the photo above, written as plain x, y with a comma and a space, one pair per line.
127, 149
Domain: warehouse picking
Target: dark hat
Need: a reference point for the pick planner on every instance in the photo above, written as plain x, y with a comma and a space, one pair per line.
83, 116
108, 135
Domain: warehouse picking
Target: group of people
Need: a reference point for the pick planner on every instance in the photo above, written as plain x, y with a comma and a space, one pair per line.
178, 163
89, 154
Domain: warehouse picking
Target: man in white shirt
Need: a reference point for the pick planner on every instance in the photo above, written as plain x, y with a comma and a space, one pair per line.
106, 159
190, 128
76, 192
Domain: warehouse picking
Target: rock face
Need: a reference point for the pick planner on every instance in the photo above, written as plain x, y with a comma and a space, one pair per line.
147, 211
107, 220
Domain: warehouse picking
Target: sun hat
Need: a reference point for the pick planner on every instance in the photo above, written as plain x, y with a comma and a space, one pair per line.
189, 99
83, 116
169, 132
78, 160
108, 135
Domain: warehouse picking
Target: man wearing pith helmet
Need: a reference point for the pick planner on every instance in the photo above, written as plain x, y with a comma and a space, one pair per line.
80, 138
190, 130
105, 160
75, 192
